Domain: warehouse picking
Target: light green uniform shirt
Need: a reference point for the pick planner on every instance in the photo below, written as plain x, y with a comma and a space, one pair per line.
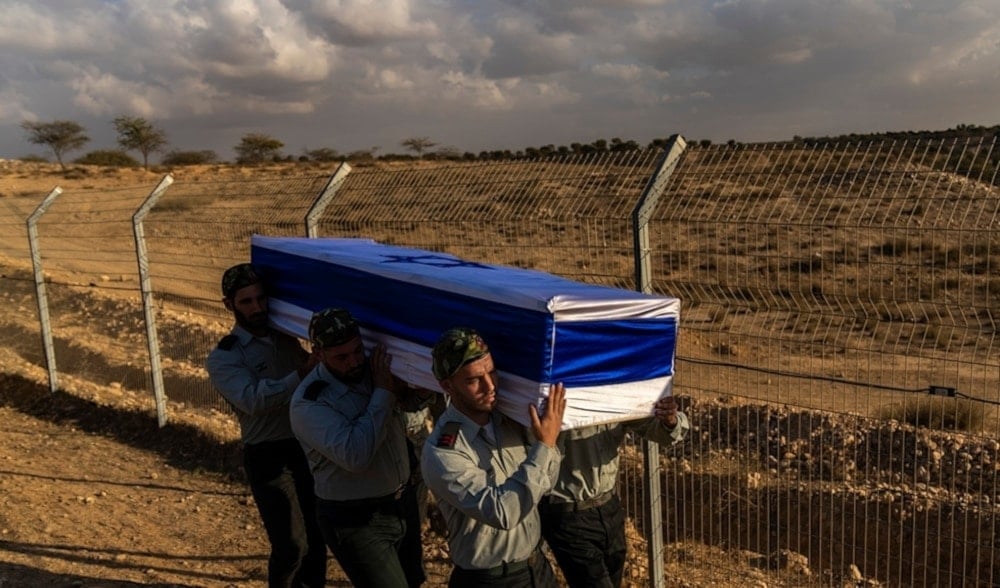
257, 376
590, 455
353, 436
488, 491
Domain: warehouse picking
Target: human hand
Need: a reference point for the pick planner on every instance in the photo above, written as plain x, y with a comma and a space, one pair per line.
548, 426
380, 362
665, 411
310, 363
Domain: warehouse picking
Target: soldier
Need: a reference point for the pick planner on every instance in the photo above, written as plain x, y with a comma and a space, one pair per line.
256, 369
488, 472
348, 419
582, 518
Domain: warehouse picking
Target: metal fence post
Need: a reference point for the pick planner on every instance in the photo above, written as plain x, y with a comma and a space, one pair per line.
40, 296
316, 210
152, 341
643, 283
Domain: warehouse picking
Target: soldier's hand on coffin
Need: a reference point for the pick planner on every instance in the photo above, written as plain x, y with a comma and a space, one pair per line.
665, 411
380, 362
310, 363
548, 426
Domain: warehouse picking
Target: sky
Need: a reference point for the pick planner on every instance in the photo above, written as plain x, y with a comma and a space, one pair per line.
484, 74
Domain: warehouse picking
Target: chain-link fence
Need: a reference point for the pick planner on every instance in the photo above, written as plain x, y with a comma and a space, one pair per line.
193, 232
20, 336
827, 289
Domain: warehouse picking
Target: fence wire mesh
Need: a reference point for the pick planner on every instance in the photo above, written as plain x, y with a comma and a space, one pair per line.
568, 215
193, 233
88, 258
19, 331
827, 288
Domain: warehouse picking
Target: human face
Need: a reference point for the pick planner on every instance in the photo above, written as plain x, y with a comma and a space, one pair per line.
345, 361
473, 389
249, 306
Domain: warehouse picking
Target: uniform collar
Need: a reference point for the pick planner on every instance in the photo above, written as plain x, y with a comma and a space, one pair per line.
244, 336
467, 426
340, 386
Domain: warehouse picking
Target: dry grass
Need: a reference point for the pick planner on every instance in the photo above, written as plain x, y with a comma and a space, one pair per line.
935, 412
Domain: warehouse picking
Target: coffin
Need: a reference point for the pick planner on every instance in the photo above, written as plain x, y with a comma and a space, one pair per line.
613, 349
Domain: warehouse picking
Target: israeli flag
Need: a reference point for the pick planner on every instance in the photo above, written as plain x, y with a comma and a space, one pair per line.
613, 349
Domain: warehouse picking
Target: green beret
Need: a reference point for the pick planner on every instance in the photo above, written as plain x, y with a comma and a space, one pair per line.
238, 276
455, 348
331, 327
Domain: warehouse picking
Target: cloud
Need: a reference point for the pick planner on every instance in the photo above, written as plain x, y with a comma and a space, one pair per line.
470, 73
46, 28
364, 22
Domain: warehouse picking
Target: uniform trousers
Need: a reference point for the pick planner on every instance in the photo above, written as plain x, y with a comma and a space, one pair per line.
588, 543
376, 540
534, 572
282, 487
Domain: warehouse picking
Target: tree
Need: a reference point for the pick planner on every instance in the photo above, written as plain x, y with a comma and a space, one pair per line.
60, 136
139, 134
418, 144
257, 148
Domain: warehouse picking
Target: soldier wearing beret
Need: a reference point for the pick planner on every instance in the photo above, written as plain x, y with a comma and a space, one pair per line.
347, 414
488, 472
256, 369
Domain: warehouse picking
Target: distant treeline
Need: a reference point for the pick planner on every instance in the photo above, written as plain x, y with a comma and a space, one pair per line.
960, 132
143, 136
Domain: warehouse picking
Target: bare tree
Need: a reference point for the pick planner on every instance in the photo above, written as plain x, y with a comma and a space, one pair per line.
138, 133
59, 135
418, 144
257, 148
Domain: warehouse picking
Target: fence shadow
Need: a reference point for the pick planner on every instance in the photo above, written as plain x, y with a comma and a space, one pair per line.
182, 446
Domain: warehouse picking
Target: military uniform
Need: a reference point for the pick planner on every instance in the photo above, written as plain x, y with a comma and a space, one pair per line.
257, 376
488, 481
582, 518
356, 444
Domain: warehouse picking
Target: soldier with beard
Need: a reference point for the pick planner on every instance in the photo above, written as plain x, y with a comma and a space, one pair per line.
256, 369
348, 416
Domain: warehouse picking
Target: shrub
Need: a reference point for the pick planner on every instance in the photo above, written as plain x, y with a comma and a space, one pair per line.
936, 412
108, 157
33, 158
322, 154
190, 157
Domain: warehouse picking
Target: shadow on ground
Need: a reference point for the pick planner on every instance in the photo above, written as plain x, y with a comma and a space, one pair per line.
12, 574
182, 446
28, 577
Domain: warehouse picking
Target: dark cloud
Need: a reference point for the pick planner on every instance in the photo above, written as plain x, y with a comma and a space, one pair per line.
351, 74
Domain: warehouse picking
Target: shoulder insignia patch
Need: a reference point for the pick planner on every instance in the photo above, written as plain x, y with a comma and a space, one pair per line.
313, 389
227, 342
449, 434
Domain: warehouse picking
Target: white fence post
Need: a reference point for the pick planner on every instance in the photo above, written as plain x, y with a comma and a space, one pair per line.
316, 210
152, 341
40, 296
643, 282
